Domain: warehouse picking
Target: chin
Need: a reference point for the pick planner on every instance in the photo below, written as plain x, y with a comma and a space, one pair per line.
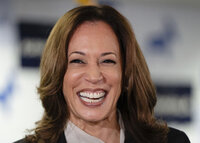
93, 117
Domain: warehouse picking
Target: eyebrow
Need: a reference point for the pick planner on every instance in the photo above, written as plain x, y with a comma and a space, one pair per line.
108, 53
77, 52
83, 54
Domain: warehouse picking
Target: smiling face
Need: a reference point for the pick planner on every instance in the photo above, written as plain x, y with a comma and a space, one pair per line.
92, 82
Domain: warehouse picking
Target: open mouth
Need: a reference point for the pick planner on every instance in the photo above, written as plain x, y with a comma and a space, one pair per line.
92, 98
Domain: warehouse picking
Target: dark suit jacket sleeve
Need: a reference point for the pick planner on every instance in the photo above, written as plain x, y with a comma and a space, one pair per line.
177, 136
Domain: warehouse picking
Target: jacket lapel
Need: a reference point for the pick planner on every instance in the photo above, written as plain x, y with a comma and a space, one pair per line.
62, 138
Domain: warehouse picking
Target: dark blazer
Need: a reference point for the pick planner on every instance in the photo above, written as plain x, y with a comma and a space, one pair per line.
174, 136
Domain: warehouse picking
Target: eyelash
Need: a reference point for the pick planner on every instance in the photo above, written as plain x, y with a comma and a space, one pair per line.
77, 61
107, 61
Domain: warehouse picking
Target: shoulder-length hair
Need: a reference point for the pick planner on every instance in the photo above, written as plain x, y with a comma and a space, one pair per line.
138, 96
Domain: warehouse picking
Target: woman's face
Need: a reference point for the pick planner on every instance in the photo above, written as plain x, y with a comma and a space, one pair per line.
92, 82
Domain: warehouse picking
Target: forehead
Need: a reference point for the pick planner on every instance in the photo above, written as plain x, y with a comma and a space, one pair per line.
100, 25
96, 34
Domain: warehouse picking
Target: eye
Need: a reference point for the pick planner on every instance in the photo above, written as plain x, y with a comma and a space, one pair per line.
77, 61
109, 61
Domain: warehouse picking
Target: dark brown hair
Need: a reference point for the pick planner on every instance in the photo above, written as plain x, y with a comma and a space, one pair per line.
138, 97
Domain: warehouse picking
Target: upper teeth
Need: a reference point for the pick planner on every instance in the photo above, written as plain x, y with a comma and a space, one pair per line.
92, 95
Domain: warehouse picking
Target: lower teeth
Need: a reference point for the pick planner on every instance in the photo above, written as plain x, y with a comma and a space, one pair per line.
91, 100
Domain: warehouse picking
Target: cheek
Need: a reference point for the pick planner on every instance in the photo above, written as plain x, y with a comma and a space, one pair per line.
114, 75
71, 80
114, 78
71, 77
66, 87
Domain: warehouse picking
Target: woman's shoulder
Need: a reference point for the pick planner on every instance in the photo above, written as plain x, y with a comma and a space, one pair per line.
177, 136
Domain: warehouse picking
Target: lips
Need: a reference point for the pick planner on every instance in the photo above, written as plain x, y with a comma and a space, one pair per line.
92, 97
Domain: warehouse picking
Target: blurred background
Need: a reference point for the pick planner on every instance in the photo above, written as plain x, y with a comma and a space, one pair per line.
167, 31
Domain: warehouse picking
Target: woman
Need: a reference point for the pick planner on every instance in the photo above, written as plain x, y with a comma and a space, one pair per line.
95, 85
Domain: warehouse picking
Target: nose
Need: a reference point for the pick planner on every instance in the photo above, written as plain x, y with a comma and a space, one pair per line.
93, 74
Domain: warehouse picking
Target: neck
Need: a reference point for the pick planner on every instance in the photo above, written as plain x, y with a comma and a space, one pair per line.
108, 129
